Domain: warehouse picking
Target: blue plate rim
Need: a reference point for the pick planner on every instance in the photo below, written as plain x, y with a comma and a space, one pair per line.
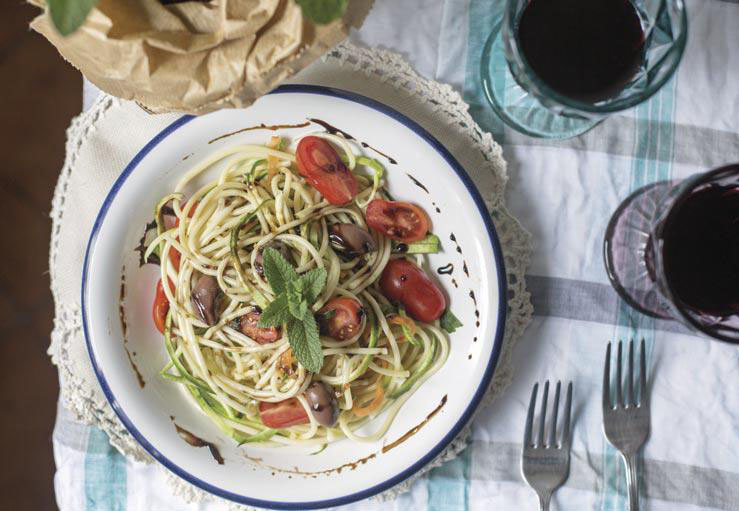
477, 396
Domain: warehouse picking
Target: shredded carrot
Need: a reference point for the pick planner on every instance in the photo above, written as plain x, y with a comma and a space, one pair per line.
286, 361
374, 404
404, 320
272, 162
274, 142
382, 363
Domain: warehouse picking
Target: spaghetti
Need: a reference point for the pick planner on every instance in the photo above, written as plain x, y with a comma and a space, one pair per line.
211, 249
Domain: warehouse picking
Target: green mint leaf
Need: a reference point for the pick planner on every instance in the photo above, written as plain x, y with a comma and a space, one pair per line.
296, 287
298, 307
69, 15
322, 11
295, 301
277, 270
305, 342
313, 283
276, 313
449, 321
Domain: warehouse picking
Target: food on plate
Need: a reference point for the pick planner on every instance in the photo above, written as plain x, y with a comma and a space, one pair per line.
298, 304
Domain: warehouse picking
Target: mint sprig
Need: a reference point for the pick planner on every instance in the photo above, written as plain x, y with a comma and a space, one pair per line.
322, 11
69, 15
292, 307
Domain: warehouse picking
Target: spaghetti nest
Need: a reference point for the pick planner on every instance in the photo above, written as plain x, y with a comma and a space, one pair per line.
219, 235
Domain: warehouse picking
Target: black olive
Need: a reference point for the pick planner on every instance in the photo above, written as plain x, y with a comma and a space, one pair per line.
350, 240
205, 299
169, 219
322, 404
281, 247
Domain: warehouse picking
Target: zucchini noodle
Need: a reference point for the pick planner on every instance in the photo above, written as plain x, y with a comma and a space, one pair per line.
221, 228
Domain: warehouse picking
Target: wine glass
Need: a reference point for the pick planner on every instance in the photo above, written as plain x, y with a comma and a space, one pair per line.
672, 251
528, 93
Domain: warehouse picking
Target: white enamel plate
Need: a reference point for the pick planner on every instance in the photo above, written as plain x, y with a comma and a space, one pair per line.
127, 360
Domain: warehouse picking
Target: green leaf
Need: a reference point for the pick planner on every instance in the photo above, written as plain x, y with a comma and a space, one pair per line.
304, 340
277, 270
295, 301
322, 11
431, 244
69, 15
313, 283
276, 313
449, 321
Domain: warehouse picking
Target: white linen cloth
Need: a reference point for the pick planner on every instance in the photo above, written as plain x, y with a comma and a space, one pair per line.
563, 192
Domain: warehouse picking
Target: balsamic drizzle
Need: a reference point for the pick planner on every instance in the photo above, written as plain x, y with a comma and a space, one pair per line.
417, 183
262, 126
332, 129
445, 270
454, 239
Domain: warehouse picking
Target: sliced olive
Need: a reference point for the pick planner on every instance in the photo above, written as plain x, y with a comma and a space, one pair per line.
322, 404
169, 219
205, 298
350, 240
281, 247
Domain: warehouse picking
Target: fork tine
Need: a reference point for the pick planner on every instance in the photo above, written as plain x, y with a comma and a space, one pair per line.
552, 440
543, 418
643, 396
607, 380
629, 399
568, 413
530, 417
619, 376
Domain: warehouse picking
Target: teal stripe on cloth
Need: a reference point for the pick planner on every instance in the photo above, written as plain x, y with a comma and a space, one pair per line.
482, 14
105, 474
651, 161
654, 145
448, 485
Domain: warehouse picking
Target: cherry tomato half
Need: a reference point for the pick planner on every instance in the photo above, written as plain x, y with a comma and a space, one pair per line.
320, 165
341, 318
171, 221
174, 258
404, 282
160, 308
248, 325
399, 221
283, 414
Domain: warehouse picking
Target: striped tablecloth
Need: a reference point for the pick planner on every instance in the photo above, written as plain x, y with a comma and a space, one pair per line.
563, 192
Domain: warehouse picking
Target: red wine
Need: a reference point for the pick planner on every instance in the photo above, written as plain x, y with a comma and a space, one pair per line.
700, 250
587, 50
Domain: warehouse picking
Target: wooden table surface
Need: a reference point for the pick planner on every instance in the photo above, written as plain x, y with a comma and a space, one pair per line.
40, 94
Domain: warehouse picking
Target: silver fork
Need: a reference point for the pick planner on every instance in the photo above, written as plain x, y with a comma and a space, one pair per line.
545, 466
626, 425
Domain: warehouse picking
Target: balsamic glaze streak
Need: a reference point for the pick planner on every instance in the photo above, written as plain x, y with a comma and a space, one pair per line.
274, 127
417, 183
445, 270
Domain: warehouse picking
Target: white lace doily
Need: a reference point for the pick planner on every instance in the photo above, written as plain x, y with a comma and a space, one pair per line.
97, 152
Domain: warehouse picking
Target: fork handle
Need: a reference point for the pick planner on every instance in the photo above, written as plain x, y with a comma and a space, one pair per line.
544, 501
632, 481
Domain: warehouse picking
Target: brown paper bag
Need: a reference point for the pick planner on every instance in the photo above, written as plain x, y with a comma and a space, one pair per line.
196, 56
